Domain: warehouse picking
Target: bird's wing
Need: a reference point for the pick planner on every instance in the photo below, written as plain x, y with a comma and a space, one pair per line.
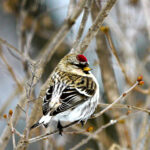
75, 93
47, 99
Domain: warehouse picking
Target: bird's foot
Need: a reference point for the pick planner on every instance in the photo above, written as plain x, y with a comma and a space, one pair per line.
82, 123
60, 128
45, 125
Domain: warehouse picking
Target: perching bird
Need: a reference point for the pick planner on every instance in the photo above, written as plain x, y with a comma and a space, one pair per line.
72, 94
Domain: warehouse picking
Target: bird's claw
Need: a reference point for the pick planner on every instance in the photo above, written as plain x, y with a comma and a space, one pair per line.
60, 128
82, 123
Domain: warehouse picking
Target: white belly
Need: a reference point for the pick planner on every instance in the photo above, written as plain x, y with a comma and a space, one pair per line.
81, 112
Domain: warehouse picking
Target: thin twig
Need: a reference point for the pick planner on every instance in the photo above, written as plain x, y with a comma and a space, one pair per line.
115, 101
114, 51
53, 44
146, 6
104, 55
94, 116
14, 54
10, 70
71, 7
14, 50
29, 92
82, 131
50, 49
12, 131
29, 38
18, 133
95, 27
32, 140
123, 106
4, 138
10, 46
21, 108
83, 23
110, 123
108, 76
9, 100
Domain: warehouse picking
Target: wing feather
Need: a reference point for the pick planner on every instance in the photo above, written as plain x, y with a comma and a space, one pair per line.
71, 97
73, 93
46, 100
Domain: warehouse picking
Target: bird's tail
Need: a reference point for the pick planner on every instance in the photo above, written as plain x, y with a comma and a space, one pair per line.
35, 125
43, 121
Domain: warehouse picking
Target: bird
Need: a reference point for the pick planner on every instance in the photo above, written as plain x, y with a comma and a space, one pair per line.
72, 93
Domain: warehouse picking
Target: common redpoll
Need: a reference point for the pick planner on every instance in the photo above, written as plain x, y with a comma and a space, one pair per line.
72, 93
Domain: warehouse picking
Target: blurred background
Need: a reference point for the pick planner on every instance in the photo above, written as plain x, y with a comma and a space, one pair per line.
30, 25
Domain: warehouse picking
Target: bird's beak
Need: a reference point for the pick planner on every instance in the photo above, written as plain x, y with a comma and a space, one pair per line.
87, 69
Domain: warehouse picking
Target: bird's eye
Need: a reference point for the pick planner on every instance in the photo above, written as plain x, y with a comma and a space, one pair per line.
75, 64
81, 65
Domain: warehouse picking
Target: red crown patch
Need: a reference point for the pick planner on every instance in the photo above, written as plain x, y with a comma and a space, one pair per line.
82, 58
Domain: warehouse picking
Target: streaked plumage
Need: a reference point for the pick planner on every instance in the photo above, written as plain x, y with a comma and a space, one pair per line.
72, 93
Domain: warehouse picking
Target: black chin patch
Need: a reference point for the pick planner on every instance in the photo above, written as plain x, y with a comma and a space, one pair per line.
86, 72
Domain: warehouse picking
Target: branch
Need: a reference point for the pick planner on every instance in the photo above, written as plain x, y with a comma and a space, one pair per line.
53, 44
114, 51
10, 70
49, 50
71, 7
146, 6
123, 106
139, 82
110, 123
95, 27
60, 36
116, 101
31, 84
11, 47
47, 53
83, 23
7, 132
104, 55
12, 128
32, 140
9, 100
108, 78
14, 50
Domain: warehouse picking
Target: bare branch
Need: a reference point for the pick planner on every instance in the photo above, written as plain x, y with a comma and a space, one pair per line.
115, 101
10, 46
71, 8
83, 23
48, 134
9, 100
110, 123
114, 51
123, 106
94, 116
10, 70
95, 27
4, 138
52, 45
14, 50
146, 6
12, 130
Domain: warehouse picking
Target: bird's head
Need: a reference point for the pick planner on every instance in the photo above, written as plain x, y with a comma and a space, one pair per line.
76, 63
